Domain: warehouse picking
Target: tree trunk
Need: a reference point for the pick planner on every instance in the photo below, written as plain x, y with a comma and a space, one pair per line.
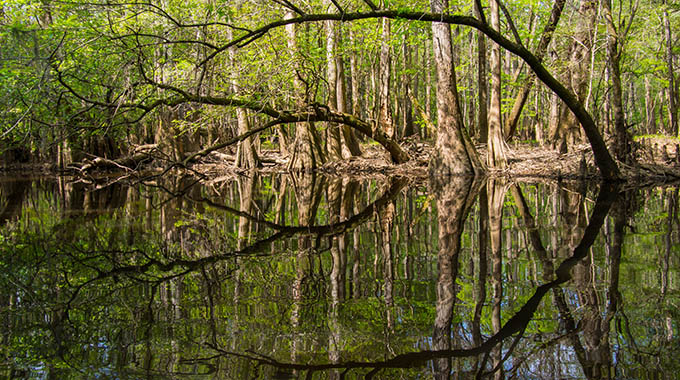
348, 135
427, 60
305, 152
650, 116
454, 152
332, 129
407, 90
356, 100
672, 106
385, 111
482, 117
575, 77
496, 144
622, 139
527, 84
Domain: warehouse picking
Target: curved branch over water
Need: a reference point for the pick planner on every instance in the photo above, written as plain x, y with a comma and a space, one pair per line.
608, 167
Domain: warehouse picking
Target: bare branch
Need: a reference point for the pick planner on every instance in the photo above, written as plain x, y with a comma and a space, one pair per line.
339, 8
511, 24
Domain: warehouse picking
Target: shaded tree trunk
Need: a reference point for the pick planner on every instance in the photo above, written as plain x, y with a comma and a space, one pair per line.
306, 152
521, 98
348, 135
496, 144
567, 130
332, 130
246, 152
622, 139
482, 117
454, 152
672, 96
385, 110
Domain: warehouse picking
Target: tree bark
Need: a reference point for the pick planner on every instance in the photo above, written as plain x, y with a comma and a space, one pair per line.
306, 156
496, 144
332, 130
482, 117
246, 152
527, 84
385, 111
650, 116
672, 96
454, 152
568, 131
348, 135
622, 139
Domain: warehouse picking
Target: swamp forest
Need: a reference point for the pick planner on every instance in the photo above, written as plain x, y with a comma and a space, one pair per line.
339, 189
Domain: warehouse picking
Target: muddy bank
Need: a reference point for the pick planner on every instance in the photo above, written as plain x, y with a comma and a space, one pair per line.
658, 160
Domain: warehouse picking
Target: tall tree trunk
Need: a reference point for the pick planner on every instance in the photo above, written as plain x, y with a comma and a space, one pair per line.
385, 111
407, 92
246, 152
672, 96
567, 130
496, 144
527, 84
356, 100
650, 116
306, 154
454, 152
332, 129
427, 60
348, 135
622, 139
482, 117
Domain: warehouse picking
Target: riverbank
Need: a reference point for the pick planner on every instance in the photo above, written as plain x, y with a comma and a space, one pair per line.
658, 161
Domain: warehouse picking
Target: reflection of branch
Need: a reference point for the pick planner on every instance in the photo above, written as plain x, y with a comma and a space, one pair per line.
323, 230
517, 324
257, 248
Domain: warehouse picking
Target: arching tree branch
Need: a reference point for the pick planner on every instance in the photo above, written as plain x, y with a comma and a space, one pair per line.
608, 168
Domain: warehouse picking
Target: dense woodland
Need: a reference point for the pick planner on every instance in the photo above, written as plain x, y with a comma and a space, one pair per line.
318, 81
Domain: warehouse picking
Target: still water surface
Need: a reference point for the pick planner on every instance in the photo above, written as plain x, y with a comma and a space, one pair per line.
312, 277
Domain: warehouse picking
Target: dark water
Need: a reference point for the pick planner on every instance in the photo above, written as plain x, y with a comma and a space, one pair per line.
312, 277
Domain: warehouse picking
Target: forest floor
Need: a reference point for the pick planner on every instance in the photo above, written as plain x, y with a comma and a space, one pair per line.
658, 161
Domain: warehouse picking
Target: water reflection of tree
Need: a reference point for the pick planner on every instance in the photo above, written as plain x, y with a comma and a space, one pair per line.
230, 330
454, 201
515, 326
593, 351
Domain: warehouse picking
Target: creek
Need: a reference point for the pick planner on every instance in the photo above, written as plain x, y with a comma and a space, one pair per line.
306, 276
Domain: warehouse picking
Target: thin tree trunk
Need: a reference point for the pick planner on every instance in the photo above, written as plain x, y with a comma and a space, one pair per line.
306, 155
622, 140
482, 117
407, 89
496, 147
650, 116
527, 84
427, 60
356, 100
332, 129
672, 106
348, 135
385, 110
